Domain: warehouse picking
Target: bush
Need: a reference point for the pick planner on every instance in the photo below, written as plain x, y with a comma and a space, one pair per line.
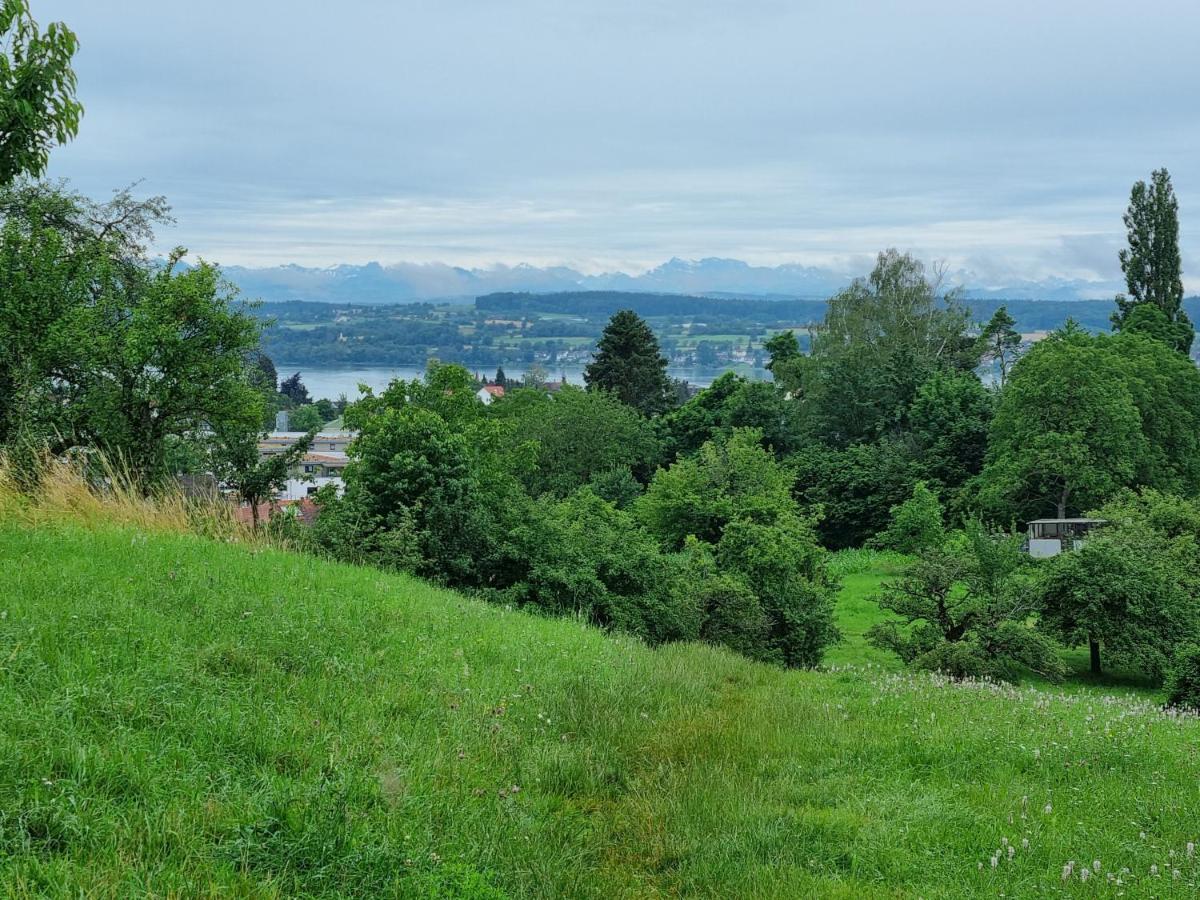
1183, 679
916, 523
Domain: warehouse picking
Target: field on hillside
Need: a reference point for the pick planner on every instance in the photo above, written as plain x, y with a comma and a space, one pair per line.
185, 717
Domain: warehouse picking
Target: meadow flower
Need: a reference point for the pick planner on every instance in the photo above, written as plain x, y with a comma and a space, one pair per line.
1153, 870
1096, 864
1084, 873
1067, 870
1191, 849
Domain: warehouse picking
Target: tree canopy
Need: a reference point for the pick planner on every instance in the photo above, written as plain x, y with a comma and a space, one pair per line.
38, 107
1152, 265
628, 363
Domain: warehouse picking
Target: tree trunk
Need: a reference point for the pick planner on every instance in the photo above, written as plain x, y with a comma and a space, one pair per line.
1094, 651
1062, 503
254, 512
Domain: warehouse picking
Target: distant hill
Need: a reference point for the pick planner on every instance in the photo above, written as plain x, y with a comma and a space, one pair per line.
713, 276
1030, 315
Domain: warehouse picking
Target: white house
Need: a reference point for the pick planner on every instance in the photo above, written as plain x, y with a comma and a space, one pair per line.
1050, 537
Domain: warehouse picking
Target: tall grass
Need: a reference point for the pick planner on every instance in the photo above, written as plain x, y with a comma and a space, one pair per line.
94, 490
865, 559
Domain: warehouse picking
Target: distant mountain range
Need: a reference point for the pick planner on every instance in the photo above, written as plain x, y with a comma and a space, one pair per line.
406, 282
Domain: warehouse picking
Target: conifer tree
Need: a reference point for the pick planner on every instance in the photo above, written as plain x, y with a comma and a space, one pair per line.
1000, 342
629, 364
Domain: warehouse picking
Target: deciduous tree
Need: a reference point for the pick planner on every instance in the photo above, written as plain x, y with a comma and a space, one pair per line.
38, 107
1151, 263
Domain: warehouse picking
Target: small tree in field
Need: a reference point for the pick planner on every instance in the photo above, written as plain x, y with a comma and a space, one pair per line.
916, 523
256, 478
1129, 593
964, 608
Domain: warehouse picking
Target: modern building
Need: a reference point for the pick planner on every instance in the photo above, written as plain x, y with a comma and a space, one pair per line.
323, 442
321, 465
1050, 537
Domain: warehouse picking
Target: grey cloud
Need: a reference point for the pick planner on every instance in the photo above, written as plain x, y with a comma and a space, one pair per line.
622, 132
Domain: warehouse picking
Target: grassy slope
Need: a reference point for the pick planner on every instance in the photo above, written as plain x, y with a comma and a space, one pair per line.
179, 716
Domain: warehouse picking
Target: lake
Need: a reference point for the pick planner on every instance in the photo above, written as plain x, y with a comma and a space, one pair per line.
332, 383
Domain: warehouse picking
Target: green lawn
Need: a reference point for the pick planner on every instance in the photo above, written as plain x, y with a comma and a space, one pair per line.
183, 717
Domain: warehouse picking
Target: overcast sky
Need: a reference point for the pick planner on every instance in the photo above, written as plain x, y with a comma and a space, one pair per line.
1000, 137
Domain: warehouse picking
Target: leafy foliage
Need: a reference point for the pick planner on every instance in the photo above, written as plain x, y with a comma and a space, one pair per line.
38, 108
577, 437
1083, 417
881, 339
1131, 591
1183, 679
917, 523
965, 607
1152, 266
732, 499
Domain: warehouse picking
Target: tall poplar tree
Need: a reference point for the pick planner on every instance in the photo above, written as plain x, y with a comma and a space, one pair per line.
1152, 266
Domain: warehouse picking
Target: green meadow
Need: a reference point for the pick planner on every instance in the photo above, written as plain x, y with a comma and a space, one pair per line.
182, 716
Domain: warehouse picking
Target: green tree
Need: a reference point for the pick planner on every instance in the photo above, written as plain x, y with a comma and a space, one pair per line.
999, 342
1130, 592
327, 409
731, 402
431, 483
590, 559
1151, 263
155, 357
501, 379
729, 477
784, 565
786, 362
306, 418
294, 390
107, 350
256, 478
628, 364
855, 487
1067, 434
881, 339
38, 108
964, 608
917, 523
733, 500
1084, 416
949, 422
577, 436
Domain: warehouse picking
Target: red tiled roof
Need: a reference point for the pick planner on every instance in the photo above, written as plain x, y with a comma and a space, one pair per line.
496, 390
306, 510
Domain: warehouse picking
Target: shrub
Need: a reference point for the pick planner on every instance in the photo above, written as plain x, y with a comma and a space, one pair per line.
916, 523
1183, 679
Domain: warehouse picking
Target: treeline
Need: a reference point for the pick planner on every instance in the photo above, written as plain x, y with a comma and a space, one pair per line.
1028, 315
